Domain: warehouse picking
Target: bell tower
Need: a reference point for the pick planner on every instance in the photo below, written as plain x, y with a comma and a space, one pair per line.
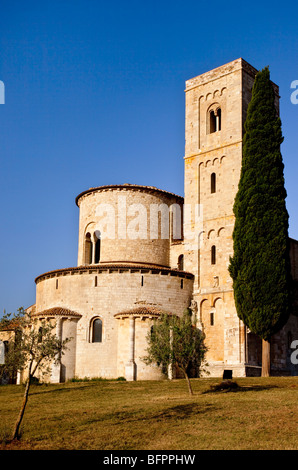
215, 111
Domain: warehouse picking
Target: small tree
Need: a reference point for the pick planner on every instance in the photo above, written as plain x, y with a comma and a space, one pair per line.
34, 348
176, 341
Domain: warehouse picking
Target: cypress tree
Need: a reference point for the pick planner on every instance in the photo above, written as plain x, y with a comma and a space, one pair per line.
260, 266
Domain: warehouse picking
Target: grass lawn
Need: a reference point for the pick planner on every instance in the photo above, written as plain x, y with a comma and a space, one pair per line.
150, 415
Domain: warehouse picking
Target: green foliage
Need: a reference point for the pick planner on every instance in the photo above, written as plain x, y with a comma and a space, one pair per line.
174, 340
33, 346
260, 266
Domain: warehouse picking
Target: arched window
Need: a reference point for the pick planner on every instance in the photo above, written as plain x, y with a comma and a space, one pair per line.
97, 246
88, 248
213, 183
214, 119
181, 263
96, 331
213, 254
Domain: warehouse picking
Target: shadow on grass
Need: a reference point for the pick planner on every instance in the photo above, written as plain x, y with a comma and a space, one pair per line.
41, 388
231, 386
175, 413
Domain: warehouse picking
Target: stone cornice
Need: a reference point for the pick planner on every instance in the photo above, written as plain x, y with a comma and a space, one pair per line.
120, 267
128, 187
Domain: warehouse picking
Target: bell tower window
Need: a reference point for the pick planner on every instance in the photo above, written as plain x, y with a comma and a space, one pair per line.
213, 183
97, 246
88, 249
214, 119
213, 254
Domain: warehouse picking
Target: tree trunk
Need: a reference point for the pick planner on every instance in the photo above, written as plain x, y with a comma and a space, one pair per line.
16, 433
265, 358
188, 383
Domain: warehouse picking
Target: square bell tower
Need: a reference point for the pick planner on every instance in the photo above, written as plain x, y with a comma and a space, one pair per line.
215, 111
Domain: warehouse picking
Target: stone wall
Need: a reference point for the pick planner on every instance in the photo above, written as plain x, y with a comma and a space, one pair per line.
104, 292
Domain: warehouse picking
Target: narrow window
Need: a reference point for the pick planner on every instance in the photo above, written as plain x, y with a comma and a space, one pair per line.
88, 249
142, 281
213, 183
211, 318
95, 281
213, 254
181, 284
181, 263
212, 122
56, 283
97, 246
218, 120
97, 331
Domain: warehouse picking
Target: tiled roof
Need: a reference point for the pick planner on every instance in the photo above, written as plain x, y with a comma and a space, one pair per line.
143, 310
56, 311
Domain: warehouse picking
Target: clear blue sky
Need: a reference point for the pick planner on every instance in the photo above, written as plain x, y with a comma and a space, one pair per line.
95, 95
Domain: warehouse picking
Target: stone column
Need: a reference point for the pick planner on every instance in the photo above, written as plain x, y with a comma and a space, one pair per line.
93, 252
56, 368
217, 122
130, 368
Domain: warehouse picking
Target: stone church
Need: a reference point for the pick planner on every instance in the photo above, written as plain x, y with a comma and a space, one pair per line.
143, 251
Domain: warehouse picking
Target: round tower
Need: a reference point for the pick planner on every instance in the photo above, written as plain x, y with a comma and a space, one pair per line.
127, 224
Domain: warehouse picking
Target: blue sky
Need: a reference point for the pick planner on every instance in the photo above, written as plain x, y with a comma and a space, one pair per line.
94, 95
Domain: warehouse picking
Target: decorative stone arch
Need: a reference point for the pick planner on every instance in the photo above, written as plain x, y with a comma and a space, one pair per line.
211, 234
201, 238
221, 232
203, 312
215, 300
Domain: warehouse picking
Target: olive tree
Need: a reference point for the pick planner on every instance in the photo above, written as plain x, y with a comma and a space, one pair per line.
33, 349
176, 341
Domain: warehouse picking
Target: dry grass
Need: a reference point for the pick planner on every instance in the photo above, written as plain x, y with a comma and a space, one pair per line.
110, 415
